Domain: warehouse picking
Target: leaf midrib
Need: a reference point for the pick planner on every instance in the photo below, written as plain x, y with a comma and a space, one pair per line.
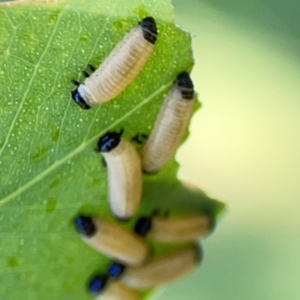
80, 148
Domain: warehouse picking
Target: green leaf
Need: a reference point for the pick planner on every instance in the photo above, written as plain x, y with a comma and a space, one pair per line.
49, 171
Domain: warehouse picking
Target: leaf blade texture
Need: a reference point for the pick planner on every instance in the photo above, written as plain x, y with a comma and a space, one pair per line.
49, 170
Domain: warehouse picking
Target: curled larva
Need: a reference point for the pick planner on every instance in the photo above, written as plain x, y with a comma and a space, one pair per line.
124, 174
174, 230
157, 271
170, 125
112, 240
104, 289
119, 68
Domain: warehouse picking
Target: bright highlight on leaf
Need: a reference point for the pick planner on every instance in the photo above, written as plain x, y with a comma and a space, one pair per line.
49, 171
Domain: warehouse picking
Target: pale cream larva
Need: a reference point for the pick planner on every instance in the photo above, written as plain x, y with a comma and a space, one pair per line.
170, 125
174, 230
121, 66
159, 270
124, 174
112, 240
104, 289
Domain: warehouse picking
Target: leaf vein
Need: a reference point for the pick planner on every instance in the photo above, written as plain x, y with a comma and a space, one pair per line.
80, 148
29, 84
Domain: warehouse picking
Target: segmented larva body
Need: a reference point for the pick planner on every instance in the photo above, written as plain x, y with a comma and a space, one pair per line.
170, 125
112, 240
157, 271
124, 174
104, 289
174, 230
121, 66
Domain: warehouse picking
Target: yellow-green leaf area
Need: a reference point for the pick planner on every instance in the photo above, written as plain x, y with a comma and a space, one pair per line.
49, 171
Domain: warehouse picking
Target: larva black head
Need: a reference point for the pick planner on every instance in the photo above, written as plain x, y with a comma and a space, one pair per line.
115, 270
79, 100
148, 25
85, 225
186, 86
143, 226
109, 141
97, 284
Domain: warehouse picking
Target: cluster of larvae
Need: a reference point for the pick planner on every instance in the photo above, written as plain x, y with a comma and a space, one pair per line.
134, 267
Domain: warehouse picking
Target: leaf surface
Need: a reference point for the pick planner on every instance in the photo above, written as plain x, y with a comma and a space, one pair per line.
49, 171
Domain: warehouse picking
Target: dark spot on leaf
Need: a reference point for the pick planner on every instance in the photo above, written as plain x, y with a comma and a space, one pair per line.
12, 262
51, 205
55, 135
39, 154
94, 182
54, 15
70, 260
83, 37
54, 183
118, 25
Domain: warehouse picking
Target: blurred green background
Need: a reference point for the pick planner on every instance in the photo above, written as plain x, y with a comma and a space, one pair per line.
244, 147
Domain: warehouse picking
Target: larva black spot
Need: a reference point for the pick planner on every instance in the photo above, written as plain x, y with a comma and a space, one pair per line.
85, 74
143, 226
85, 225
148, 25
97, 284
139, 137
92, 68
184, 80
109, 141
79, 100
116, 270
186, 86
102, 288
75, 82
